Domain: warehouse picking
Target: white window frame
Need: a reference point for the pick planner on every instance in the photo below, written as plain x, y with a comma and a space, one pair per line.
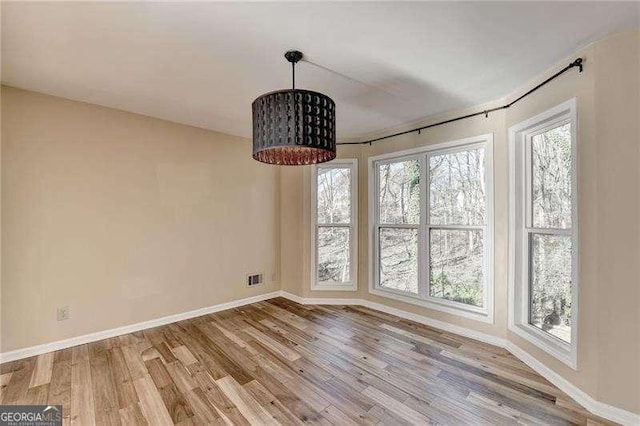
519, 257
352, 284
484, 313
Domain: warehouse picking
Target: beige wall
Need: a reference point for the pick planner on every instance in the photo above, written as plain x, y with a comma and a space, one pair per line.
124, 218
609, 207
617, 91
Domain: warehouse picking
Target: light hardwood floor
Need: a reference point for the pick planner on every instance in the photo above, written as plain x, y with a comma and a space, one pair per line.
278, 362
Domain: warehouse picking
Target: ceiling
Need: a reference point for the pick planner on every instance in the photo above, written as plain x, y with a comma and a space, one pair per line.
384, 63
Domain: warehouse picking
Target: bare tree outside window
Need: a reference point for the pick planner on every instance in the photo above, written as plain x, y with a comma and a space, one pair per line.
456, 271
551, 284
333, 256
400, 192
551, 170
399, 259
457, 197
550, 254
334, 200
457, 188
399, 216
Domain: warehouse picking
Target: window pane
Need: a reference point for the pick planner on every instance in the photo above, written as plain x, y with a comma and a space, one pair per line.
457, 188
551, 284
334, 195
456, 271
333, 254
399, 259
551, 174
399, 192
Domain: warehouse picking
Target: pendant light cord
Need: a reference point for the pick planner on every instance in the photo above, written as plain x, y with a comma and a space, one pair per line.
293, 101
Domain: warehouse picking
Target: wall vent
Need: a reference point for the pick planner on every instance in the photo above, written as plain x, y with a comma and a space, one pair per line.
254, 279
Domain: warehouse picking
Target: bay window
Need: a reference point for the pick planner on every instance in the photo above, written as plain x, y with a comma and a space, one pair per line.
543, 281
431, 227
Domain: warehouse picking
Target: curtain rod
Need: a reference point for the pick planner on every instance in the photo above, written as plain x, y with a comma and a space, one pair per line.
576, 63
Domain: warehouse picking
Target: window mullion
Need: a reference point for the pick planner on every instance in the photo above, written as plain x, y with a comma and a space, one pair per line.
528, 182
375, 271
353, 222
399, 225
423, 233
459, 227
550, 231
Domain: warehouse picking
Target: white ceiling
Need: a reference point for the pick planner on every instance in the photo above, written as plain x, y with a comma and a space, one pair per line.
384, 63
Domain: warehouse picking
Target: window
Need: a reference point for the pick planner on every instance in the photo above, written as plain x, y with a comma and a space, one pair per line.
543, 302
399, 207
457, 205
334, 235
431, 229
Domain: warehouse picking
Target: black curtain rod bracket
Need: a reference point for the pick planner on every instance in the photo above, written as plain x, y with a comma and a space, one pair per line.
576, 63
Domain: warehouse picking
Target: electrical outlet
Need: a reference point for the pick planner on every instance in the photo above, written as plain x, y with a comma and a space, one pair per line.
63, 313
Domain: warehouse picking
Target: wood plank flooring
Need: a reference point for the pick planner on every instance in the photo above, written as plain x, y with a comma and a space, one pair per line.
278, 362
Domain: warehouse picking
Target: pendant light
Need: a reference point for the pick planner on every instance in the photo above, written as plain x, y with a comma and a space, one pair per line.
294, 127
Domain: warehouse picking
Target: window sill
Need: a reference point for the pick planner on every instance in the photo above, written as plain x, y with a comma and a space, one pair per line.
477, 314
563, 352
350, 286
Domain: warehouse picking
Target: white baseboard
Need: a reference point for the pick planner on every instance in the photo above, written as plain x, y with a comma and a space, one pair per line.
596, 407
320, 300
462, 331
92, 337
441, 325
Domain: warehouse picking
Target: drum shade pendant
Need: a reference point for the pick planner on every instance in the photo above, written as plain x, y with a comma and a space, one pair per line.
294, 127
